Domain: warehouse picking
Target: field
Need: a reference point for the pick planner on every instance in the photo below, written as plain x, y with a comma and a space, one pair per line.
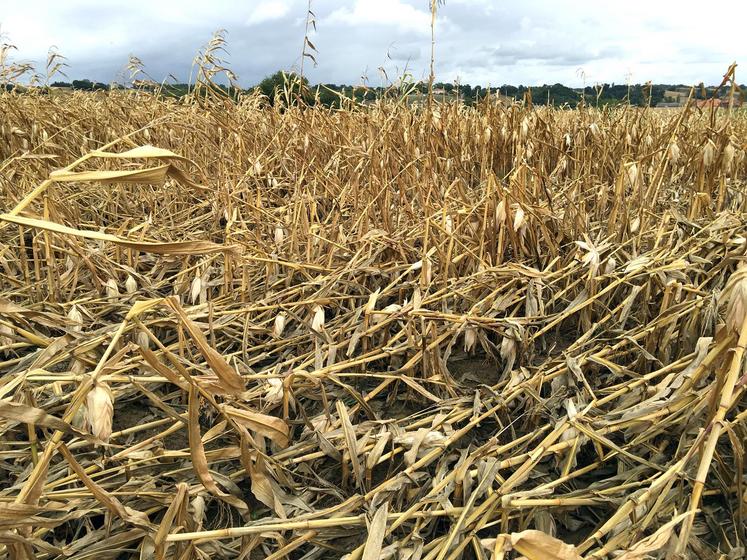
236, 331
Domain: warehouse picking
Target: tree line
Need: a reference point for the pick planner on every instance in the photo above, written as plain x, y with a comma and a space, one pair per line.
281, 85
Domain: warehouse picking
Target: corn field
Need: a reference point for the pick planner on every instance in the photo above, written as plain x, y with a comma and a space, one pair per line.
229, 330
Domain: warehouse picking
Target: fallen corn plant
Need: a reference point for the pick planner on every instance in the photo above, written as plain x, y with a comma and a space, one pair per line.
241, 331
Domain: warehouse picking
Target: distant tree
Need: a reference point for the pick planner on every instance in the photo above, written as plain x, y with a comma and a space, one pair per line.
85, 85
277, 83
479, 93
442, 86
466, 91
509, 90
176, 90
327, 96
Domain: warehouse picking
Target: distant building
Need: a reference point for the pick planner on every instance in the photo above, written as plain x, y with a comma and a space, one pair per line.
715, 102
736, 101
677, 96
708, 103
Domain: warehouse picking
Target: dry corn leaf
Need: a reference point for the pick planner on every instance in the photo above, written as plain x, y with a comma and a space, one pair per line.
262, 486
127, 514
376, 533
230, 380
350, 441
31, 415
142, 152
153, 175
165, 248
643, 548
199, 460
159, 540
269, 426
536, 545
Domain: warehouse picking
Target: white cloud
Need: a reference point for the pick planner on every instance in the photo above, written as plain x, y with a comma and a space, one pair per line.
394, 13
268, 10
480, 41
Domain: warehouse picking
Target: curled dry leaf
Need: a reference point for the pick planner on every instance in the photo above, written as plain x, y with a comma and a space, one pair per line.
643, 548
127, 514
31, 415
199, 458
268, 426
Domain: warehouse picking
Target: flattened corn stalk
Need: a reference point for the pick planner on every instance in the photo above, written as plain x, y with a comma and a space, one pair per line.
487, 320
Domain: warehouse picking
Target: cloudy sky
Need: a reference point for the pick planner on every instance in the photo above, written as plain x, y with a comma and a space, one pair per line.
477, 41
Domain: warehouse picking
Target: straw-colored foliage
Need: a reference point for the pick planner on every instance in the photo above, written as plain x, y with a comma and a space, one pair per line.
229, 330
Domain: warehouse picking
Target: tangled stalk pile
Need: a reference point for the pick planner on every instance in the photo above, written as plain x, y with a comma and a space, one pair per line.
233, 331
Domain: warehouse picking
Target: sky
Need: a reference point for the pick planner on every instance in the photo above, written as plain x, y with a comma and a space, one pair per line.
487, 42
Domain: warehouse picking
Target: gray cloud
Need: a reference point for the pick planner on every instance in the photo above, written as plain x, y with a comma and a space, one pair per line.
478, 41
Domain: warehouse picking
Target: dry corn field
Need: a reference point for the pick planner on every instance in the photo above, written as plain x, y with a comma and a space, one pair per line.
234, 331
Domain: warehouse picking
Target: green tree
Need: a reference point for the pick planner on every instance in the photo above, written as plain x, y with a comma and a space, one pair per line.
280, 82
86, 85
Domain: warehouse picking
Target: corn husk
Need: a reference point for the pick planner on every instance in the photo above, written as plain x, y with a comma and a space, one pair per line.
76, 318
279, 324
317, 318
470, 338
736, 292
100, 411
112, 290
130, 285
